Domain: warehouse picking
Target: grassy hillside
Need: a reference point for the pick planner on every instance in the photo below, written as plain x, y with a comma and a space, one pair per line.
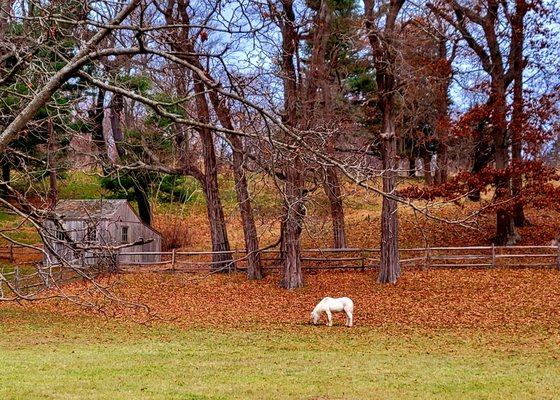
186, 219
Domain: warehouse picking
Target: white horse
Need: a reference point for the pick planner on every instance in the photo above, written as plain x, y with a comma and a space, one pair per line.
329, 305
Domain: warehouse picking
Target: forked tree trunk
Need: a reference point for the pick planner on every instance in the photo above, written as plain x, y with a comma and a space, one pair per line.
390, 269
254, 268
222, 260
334, 194
294, 214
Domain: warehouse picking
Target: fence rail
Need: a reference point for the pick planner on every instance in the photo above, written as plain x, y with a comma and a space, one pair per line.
41, 277
14, 253
369, 258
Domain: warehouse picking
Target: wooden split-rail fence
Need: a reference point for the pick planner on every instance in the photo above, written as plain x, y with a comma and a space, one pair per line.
33, 277
369, 258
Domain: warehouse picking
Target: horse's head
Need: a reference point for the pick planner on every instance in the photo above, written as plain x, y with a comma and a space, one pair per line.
315, 317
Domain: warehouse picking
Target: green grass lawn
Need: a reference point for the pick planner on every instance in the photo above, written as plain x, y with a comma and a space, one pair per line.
47, 357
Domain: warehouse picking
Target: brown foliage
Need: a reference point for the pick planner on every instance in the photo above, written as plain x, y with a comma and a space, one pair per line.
495, 300
174, 230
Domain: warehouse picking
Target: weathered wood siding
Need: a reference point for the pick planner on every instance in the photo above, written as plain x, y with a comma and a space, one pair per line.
108, 232
136, 229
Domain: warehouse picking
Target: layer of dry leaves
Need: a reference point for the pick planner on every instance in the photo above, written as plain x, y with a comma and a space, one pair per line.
494, 300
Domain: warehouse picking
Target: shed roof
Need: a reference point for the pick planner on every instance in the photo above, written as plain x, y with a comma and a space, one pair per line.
88, 209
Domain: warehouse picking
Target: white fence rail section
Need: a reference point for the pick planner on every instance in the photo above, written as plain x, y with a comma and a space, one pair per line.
369, 258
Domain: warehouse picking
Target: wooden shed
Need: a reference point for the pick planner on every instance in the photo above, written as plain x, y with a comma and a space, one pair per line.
99, 225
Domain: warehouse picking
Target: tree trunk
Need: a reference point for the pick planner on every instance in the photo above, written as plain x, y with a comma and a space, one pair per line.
411, 167
518, 118
427, 161
505, 228
506, 233
254, 268
139, 186
384, 57
332, 189
294, 214
51, 165
483, 154
4, 185
294, 201
144, 208
390, 269
441, 166
221, 261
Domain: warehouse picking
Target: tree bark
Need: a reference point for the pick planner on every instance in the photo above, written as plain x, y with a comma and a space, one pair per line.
138, 182
332, 189
294, 184
144, 208
6, 172
518, 118
254, 268
384, 63
441, 166
97, 115
294, 212
222, 260
51, 165
483, 153
411, 167
427, 165
390, 269
505, 228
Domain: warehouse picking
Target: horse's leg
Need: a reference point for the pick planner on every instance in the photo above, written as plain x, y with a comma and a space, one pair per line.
329, 317
350, 319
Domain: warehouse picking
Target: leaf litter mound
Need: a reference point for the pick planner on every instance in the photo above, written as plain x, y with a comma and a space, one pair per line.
494, 300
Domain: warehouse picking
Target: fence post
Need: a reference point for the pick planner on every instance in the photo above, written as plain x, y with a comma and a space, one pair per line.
558, 256
428, 260
173, 260
363, 260
493, 255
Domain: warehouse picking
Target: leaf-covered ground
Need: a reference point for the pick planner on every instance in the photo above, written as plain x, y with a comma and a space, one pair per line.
500, 300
